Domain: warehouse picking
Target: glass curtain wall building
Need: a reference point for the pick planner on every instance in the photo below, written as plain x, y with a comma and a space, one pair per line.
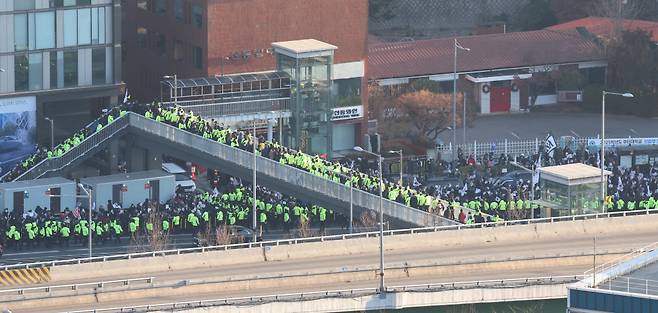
63, 54
309, 64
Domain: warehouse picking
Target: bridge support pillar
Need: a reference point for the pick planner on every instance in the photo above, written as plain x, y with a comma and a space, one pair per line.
113, 157
136, 159
270, 129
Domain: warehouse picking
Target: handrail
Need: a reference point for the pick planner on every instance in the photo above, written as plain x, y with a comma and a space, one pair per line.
90, 142
270, 243
269, 167
631, 284
302, 296
612, 263
100, 284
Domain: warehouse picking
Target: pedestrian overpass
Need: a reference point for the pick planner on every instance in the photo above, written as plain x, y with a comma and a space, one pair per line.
162, 138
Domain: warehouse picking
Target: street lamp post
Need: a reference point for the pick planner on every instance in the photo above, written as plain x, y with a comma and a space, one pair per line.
175, 77
349, 178
253, 186
52, 132
602, 165
401, 171
382, 289
88, 196
457, 45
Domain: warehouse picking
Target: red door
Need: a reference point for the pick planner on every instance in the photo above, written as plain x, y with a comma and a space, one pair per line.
501, 99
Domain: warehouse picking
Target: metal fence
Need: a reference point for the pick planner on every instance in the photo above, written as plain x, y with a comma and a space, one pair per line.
345, 293
632, 285
530, 147
309, 183
615, 262
77, 287
211, 108
282, 242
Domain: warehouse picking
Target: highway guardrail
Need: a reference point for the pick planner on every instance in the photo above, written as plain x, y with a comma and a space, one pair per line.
373, 234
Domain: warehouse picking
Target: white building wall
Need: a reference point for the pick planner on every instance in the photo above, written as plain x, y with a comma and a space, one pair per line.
515, 101
485, 99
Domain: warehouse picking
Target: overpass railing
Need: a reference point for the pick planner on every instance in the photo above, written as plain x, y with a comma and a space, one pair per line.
89, 143
285, 173
77, 287
617, 261
372, 234
344, 293
632, 285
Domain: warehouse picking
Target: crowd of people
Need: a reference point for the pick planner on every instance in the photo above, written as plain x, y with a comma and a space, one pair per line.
198, 212
478, 192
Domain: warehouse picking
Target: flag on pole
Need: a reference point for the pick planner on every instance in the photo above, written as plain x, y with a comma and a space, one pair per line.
535, 174
549, 145
126, 97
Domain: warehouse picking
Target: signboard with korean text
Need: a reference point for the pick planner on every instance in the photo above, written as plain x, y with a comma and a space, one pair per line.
347, 113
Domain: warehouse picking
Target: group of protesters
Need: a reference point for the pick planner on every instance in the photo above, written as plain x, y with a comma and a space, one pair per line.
477, 193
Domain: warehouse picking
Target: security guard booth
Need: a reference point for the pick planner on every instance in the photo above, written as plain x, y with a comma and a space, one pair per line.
131, 188
56, 194
571, 189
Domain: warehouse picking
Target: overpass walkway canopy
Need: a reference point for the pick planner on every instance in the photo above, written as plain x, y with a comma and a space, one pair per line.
179, 143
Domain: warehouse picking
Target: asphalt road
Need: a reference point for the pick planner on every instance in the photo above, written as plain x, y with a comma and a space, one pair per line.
528, 126
576, 244
76, 250
449, 254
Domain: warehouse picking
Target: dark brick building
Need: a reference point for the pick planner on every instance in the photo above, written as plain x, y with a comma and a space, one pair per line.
204, 38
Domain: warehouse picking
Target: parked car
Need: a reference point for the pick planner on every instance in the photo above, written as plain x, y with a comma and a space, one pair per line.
237, 233
183, 179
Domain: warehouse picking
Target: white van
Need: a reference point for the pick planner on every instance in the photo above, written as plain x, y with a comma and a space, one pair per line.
182, 178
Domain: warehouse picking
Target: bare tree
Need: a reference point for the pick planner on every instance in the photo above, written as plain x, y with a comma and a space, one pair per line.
304, 227
156, 239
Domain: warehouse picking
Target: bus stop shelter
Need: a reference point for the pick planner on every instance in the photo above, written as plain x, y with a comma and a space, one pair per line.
571, 189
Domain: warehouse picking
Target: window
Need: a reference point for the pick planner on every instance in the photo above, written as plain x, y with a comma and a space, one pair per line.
23, 5
70, 68
70, 28
161, 6
197, 16
35, 71
179, 11
197, 57
98, 66
84, 26
53, 69
68, 3
178, 50
21, 67
160, 44
143, 4
20, 32
44, 26
142, 37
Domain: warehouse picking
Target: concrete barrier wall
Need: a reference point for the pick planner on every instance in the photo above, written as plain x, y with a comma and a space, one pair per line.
158, 264
299, 280
424, 241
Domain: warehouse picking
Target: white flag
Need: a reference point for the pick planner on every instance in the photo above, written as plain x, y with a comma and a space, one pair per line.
126, 97
550, 145
535, 175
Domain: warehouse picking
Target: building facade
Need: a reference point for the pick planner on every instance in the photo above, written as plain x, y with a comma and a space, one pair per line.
59, 62
208, 38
